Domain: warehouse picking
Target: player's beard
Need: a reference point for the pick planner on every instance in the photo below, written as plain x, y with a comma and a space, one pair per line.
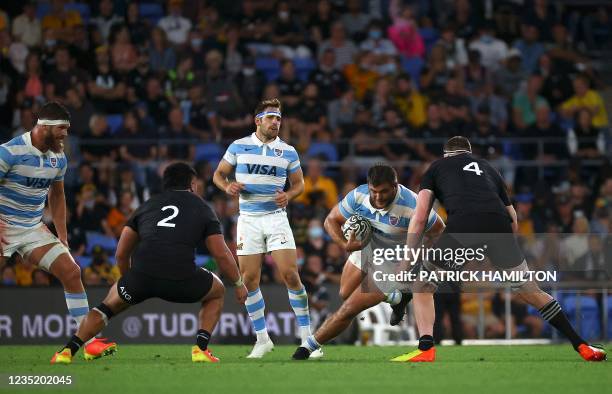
55, 144
269, 133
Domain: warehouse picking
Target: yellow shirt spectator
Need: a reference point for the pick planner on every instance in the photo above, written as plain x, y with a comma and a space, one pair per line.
55, 22
413, 108
315, 181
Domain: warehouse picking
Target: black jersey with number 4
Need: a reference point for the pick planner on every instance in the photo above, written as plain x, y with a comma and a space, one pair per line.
170, 226
466, 185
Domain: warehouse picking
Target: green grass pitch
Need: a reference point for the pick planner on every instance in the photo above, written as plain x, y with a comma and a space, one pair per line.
344, 369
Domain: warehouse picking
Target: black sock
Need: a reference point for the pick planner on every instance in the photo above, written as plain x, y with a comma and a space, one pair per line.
74, 344
553, 314
202, 339
426, 342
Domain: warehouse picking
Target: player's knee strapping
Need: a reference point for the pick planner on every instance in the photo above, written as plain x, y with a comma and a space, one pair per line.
51, 255
519, 284
105, 312
77, 304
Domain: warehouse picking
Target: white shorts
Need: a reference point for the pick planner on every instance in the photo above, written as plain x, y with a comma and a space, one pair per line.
25, 239
264, 233
355, 258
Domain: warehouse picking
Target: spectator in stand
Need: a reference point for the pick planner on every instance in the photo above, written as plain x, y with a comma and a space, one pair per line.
119, 214
9, 278
475, 75
341, 112
91, 209
436, 73
563, 51
250, 82
319, 24
585, 140
492, 50
404, 32
531, 49
179, 148
541, 14
101, 271
64, 77
290, 87
24, 268
98, 146
175, 25
126, 180
157, 104
138, 27
288, 33
202, 122
27, 27
362, 75
136, 150
410, 102
330, 81
586, 98
123, 53
106, 88
455, 46
235, 51
40, 278
81, 110
60, 21
545, 128
525, 103
180, 80
161, 55
344, 49
355, 22
557, 86
598, 29
385, 54
312, 113
508, 78
317, 185
31, 84
466, 18
106, 19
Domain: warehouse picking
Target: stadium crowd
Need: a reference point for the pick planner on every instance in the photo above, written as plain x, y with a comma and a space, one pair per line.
360, 81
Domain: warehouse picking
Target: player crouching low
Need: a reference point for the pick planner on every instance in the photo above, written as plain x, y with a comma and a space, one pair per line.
387, 207
159, 240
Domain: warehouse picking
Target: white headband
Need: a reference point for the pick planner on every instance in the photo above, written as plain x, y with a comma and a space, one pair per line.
458, 151
273, 113
54, 122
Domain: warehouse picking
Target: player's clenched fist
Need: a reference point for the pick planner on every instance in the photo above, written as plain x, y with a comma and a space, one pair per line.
234, 188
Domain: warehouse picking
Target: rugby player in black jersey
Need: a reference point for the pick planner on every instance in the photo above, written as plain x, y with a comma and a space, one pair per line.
156, 257
475, 197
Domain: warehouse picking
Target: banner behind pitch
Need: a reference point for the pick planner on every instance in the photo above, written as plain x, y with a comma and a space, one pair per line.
39, 316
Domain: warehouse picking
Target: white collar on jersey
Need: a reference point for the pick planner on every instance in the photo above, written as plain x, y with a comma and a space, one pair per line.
259, 143
386, 210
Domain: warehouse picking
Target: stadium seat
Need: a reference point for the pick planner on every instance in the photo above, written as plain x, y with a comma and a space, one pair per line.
42, 9
153, 12
269, 66
104, 241
413, 67
303, 67
114, 122
589, 327
210, 152
376, 320
326, 149
82, 9
83, 261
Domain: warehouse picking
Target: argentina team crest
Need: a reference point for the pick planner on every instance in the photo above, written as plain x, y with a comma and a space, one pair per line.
53, 162
394, 220
278, 152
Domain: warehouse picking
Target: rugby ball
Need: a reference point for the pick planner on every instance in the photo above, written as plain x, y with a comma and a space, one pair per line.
360, 226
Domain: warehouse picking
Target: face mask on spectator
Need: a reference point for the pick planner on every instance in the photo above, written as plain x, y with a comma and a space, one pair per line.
248, 71
315, 232
300, 261
50, 42
9, 282
375, 34
283, 15
196, 43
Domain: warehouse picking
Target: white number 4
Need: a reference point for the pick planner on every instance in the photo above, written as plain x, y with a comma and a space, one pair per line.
473, 167
166, 222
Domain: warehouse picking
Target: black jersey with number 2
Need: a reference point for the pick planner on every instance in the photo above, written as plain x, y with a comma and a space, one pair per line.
466, 185
170, 226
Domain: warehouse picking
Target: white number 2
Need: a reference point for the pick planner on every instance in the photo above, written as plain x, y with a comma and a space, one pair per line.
166, 222
473, 167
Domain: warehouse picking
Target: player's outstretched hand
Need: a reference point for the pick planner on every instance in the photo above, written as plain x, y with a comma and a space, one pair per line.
234, 188
281, 199
241, 294
352, 244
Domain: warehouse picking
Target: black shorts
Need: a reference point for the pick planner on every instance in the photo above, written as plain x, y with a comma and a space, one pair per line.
492, 232
135, 287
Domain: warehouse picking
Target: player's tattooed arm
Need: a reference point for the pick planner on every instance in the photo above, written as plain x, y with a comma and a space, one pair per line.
57, 204
125, 247
220, 179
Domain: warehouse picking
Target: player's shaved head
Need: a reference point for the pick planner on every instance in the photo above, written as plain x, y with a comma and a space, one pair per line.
178, 176
457, 144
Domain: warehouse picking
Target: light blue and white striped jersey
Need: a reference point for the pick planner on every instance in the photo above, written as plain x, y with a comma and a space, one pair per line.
25, 176
391, 222
263, 168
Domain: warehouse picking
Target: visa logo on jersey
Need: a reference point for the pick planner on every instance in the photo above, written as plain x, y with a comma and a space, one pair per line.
261, 169
38, 183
